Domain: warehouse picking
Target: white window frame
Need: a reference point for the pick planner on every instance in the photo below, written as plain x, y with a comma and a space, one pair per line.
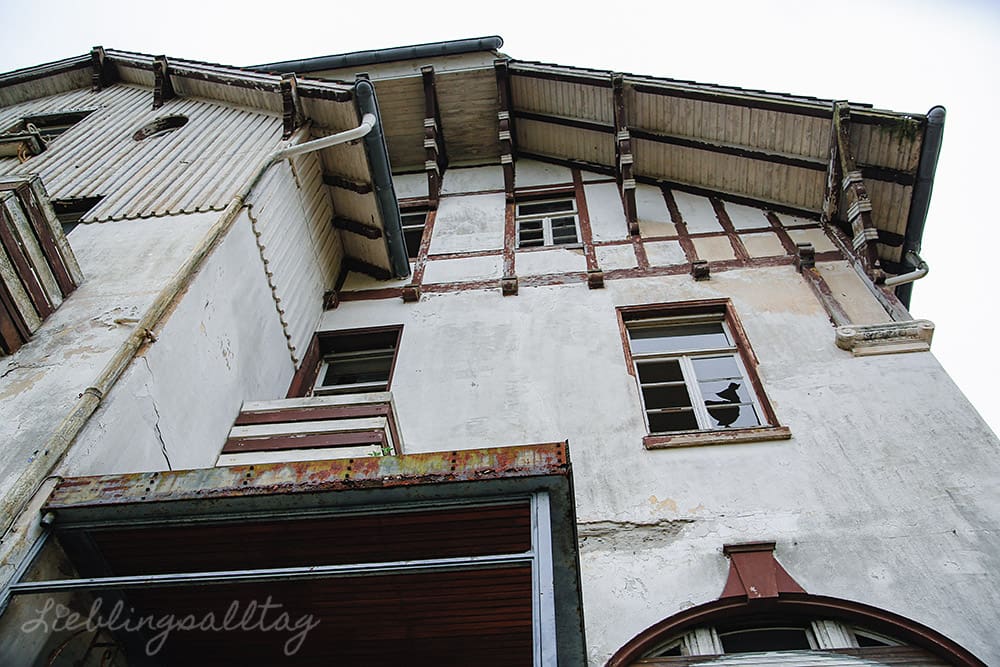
546, 220
320, 389
330, 355
685, 359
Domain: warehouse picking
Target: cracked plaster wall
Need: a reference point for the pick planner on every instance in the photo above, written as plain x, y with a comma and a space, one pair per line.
125, 265
223, 344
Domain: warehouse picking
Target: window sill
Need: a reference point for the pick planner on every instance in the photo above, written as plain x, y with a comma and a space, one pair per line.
728, 437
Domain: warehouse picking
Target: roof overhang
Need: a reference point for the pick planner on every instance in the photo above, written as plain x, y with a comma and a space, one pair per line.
764, 149
344, 540
357, 174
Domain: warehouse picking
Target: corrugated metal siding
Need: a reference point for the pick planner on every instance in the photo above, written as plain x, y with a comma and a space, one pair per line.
195, 168
302, 251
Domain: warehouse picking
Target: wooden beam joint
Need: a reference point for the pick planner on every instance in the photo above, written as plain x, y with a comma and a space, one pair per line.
623, 154
291, 114
435, 155
98, 70
505, 125
163, 88
852, 187
355, 227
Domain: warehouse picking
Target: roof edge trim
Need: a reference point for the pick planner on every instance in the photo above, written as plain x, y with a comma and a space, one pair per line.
377, 56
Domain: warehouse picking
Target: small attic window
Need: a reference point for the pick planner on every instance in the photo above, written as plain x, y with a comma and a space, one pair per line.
160, 126
51, 125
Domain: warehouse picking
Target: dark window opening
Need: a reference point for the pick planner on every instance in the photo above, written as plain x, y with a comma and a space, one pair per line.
765, 639
52, 125
70, 211
691, 373
414, 221
348, 362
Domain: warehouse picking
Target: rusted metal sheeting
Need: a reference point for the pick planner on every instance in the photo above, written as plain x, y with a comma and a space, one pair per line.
197, 167
312, 476
301, 249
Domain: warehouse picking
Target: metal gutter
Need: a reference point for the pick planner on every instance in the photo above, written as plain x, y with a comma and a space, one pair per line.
930, 150
385, 193
377, 56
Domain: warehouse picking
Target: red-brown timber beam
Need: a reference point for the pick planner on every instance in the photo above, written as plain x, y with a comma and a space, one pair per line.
506, 124
435, 159
623, 155
858, 204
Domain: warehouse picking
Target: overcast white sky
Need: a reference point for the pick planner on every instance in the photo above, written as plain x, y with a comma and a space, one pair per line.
900, 55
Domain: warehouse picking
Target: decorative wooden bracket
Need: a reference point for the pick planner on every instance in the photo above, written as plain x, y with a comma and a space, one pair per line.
831, 189
291, 114
754, 572
163, 89
623, 155
859, 206
506, 125
435, 158
99, 75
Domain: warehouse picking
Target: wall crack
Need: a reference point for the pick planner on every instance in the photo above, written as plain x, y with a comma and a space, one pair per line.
156, 424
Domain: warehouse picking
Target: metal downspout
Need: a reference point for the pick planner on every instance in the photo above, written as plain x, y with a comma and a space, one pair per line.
919, 204
385, 193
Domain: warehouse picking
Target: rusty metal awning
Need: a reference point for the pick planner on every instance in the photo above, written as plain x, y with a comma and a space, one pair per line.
442, 558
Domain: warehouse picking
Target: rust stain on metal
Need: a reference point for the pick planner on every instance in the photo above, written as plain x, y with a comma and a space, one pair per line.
310, 476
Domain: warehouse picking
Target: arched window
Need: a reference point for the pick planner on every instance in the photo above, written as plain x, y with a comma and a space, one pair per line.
785, 630
765, 618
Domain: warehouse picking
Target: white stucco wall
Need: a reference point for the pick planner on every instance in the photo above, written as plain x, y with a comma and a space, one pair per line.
125, 265
220, 346
883, 495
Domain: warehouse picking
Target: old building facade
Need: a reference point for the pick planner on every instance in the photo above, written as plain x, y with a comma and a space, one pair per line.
459, 359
